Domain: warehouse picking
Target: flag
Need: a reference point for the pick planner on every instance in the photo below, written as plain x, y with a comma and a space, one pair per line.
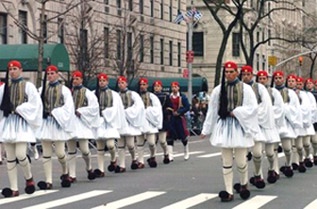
179, 18
198, 15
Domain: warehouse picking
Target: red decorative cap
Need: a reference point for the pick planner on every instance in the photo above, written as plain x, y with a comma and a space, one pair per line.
292, 76
278, 73
231, 64
247, 69
122, 79
77, 74
14, 63
102, 76
144, 81
158, 83
262, 73
309, 80
175, 83
299, 79
51, 68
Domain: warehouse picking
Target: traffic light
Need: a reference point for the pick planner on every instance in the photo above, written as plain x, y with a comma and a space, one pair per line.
300, 59
189, 56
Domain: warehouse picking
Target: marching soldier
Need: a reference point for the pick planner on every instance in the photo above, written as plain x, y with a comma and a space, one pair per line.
134, 120
21, 112
153, 122
232, 120
87, 118
57, 126
112, 119
166, 104
177, 123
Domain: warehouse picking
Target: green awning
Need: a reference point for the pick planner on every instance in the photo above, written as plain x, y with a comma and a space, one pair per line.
27, 54
199, 84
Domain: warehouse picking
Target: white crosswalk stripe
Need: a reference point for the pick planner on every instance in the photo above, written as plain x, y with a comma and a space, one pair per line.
255, 202
312, 205
26, 196
210, 155
129, 200
192, 201
68, 200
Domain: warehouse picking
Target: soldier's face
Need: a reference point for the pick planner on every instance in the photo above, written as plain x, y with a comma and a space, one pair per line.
122, 85
157, 88
300, 85
103, 83
231, 74
77, 81
247, 77
175, 89
15, 72
291, 83
263, 80
143, 87
279, 80
52, 76
309, 85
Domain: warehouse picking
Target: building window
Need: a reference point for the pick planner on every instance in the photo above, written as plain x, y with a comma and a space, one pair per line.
141, 48
141, 5
171, 53
3, 28
162, 9
198, 43
129, 46
257, 36
235, 44
106, 2
171, 11
83, 48
263, 62
60, 33
131, 5
152, 49
119, 10
162, 51
152, 8
118, 45
179, 54
106, 41
23, 17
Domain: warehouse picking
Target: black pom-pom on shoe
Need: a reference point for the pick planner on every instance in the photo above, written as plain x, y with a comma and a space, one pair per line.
66, 182
308, 163
244, 192
225, 196
98, 173
237, 187
271, 177
91, 175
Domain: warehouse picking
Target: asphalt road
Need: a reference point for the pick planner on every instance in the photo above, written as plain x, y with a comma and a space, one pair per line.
181, 184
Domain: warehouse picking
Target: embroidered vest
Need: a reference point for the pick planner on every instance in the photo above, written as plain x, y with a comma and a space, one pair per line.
17, 94
105, 99
126, 99
255, 87
79, 98
235, 95
284, 93
146, 99
53, 97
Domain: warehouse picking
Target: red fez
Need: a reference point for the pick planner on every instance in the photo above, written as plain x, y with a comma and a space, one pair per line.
144, 81
299, 79
14, 63
262, 73
175, 83
103, 76
292, 76
278, 73
247, 69
1, 83
122, 79
158, 83
51, 68
309, 80
315, 82
231, 64
77, 74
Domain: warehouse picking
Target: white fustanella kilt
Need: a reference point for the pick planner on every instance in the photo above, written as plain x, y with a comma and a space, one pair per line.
52, 131
15, 129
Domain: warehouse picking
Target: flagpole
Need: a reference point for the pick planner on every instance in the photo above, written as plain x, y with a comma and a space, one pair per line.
190, 48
